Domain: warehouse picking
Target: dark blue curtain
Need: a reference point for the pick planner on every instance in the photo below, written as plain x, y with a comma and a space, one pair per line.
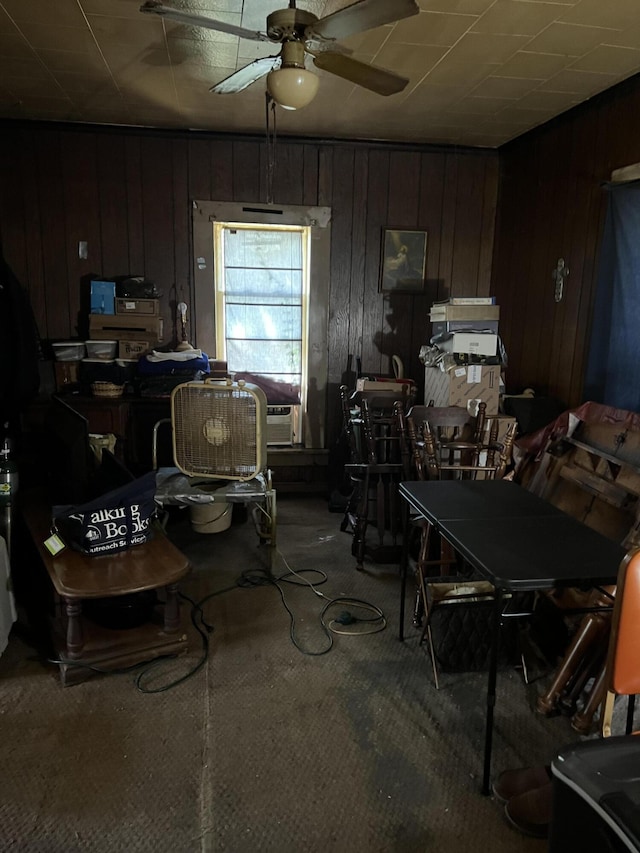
613, 368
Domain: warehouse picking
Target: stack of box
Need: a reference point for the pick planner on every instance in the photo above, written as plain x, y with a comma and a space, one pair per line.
135, 323
467, 329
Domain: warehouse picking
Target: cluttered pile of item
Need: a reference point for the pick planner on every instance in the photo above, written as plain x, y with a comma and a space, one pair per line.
465, 355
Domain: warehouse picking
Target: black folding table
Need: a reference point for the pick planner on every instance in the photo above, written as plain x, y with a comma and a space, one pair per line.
517, 541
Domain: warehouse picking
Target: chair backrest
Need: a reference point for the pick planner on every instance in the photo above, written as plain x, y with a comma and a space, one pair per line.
623, 658
372, 427
480, 456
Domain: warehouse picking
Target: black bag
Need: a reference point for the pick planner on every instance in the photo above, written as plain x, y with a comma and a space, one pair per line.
461, 630
135, 287
111, 523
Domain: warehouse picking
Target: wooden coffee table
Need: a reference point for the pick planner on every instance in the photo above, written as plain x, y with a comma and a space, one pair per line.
75, 577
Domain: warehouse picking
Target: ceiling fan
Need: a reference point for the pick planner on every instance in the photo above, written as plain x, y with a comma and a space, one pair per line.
302, 33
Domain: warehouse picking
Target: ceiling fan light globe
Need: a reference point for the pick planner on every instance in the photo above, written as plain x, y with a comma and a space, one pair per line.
292, 88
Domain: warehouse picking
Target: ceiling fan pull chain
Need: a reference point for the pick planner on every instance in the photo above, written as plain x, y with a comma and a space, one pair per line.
271, 144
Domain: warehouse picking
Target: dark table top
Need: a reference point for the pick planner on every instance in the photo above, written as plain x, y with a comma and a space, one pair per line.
536, 552
436, 500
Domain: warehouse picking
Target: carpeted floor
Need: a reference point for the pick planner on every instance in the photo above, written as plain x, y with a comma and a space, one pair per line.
270, 746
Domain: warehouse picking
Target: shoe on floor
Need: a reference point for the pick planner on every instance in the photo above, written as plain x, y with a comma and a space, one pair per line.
530, 813
510, 783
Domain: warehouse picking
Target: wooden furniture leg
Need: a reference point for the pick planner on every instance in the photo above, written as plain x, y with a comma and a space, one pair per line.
582, 722
75, 635
172, 609
590, 631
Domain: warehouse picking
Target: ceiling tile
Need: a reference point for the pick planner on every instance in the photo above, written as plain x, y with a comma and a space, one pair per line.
64, 38
58, 14
31, 67
124, 31
203, 52
504, 87
447, 119
451, 72
550, 102
608, 59
568, 39
487, 47
596, 13
408, 58
368, 42
479, 106
538, 66
14, 46
31, 86
470, 7
153, 87
120, 57
6, 24
514, 17
430, 97
69, 60
432, 28
578, 82
55, 103
186, 31
629, 37
95, 85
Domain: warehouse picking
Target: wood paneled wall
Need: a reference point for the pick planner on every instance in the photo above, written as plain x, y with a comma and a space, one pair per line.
551, 205
128, 194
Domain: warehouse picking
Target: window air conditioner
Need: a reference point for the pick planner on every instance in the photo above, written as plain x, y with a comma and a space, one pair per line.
283, 425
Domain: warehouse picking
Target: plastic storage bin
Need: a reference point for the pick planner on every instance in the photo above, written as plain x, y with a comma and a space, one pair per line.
596, 797
68, 351
101, 349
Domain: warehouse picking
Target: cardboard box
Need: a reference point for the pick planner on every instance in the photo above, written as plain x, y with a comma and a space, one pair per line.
471, 342
504, 422
401, 386
133, 349
463, 386
120, 327
446, 326
145, 307
103, 296
440, 313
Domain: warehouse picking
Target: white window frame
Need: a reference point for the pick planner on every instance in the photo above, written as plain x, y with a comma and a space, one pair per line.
318, 219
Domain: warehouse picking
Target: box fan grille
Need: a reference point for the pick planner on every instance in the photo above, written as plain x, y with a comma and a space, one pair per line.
219, 430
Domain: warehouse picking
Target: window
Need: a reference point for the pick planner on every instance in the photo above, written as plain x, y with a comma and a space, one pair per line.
261, 302
261, 294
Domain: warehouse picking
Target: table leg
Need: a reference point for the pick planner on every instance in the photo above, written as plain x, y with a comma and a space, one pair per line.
491, 689
171, 609
404, 562
75, 637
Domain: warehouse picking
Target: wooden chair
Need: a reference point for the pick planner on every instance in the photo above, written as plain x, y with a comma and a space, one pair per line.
375, 468
450, 443
622, 673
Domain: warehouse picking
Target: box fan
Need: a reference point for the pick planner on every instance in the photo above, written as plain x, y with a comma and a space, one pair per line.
219, 429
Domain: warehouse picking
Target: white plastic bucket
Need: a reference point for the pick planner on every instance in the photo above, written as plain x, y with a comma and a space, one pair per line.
211, 517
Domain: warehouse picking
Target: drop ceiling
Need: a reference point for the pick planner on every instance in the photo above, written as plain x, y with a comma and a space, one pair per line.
481, 72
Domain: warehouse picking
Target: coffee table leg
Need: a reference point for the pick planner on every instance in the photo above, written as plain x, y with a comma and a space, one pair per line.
172, 609
491, 690
75, 638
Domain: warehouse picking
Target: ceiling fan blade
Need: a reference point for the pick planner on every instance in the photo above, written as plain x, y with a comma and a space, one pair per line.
244, 77
369, 76
157, 8
363, 15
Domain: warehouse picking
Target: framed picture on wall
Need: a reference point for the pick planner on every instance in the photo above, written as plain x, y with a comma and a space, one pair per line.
403, 262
